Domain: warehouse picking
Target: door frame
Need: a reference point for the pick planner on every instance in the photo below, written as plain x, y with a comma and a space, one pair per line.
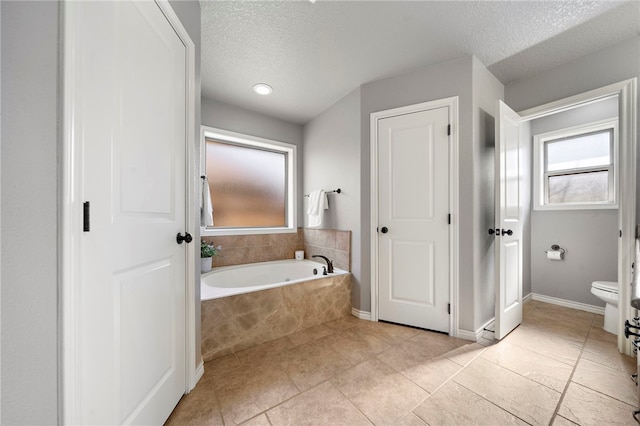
627, 147
452, 104
70, 219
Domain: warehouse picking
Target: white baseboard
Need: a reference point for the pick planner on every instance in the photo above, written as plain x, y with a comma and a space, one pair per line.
568, 303
475, 336
361, 314
197, 375
528, 298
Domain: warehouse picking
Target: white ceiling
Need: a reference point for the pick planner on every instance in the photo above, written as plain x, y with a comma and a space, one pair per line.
313, 54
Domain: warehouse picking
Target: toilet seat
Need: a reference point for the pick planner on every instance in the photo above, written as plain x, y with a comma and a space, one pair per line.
608, 286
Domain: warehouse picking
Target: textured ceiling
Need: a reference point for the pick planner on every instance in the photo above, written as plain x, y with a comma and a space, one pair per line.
313, 54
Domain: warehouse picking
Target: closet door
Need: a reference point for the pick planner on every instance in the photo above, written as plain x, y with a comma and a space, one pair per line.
127, 76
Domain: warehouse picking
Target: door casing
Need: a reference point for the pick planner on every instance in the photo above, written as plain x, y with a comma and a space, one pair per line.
627, 148
71, 221
452, 104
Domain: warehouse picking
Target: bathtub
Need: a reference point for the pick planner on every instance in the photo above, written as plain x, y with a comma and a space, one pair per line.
246, 305
231, 280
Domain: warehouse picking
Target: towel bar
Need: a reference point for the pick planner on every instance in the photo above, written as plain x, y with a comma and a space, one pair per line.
337, 191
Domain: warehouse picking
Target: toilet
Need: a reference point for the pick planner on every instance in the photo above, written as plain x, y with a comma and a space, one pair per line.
607, 291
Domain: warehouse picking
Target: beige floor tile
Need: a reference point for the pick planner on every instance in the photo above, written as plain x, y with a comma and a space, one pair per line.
563, 350
344, 323
199, 407
410, 420
561, 421
432, 373
561, 314
611, 358
560, 321
310, 334
322, 405
438, 342
381, 393
246, 392
539, 368
390, 333
465, 354
609, 381
526, 399
409, 353
453, 404
312, 363
602, 347
587, 407
260, 420
354, 345
264, 353
219, 366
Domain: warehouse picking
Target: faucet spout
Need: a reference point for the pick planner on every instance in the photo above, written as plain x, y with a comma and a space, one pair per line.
329, 263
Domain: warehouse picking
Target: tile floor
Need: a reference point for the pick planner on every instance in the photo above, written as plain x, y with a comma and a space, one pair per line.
559, 367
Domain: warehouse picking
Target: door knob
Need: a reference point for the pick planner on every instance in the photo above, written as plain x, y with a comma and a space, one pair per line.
492, 231
507, 231
186, 237
384, 229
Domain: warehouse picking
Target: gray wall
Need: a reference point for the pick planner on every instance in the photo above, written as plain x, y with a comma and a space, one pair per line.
235, 119
453, 78
332, 160
29, 203
29, 212
590, 236
486, 91
610, 65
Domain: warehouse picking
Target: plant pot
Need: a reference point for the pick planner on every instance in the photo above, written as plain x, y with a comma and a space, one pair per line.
205, 264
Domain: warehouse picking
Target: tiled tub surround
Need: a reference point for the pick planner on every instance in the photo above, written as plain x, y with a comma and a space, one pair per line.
334, 244
243, 249
233, 323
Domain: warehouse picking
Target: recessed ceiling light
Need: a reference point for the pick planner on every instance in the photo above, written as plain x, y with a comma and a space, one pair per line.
262, 89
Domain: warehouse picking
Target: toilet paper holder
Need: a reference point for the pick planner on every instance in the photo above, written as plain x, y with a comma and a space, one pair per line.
556, 247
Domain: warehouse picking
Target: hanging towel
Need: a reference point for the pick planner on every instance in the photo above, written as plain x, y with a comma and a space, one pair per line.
206, 212
317, 205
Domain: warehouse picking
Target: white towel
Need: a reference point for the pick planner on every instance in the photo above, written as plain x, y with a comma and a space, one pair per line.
318, 203
206, 211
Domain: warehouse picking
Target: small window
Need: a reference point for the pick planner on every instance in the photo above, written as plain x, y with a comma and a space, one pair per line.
576, 168
251, 183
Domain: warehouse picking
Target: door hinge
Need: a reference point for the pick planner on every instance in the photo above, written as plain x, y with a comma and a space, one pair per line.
449, 218
86, 217
448, 129
449, 308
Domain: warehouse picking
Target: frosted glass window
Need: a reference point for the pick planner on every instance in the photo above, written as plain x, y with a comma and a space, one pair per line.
248, 185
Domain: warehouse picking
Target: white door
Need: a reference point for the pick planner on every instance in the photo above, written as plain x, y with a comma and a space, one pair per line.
129, 116
413, 228
508, 221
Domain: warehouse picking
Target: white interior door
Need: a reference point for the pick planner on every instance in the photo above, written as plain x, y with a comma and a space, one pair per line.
508, 221
413, 229
130, 82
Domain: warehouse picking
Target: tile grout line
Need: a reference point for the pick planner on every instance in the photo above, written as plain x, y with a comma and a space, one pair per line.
575, 367
442, 384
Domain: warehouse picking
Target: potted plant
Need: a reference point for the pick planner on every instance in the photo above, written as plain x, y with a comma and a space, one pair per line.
207, 251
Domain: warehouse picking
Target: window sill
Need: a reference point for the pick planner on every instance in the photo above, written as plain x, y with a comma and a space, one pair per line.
208, 232
560, 207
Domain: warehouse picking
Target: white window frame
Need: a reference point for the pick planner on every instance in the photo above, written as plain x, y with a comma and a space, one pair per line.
240, 139
539, 180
